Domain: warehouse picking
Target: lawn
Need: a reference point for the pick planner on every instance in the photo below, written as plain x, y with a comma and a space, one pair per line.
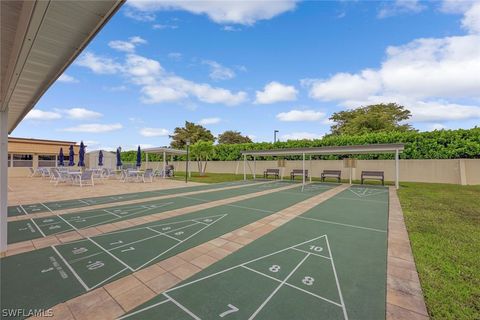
443, 223
210, 177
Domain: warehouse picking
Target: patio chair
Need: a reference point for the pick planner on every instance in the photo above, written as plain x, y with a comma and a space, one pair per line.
148, 175
107, 173
33, 172
58, 176
85, 179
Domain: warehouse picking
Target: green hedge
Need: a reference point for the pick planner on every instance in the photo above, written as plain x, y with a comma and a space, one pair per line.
438, 144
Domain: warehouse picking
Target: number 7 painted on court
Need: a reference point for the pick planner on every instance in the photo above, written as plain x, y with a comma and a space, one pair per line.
232, 310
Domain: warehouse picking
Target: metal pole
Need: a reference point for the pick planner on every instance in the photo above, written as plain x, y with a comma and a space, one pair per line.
303, 168
275, 136
397, 184
186, 164
3, 180
164, 163
146, 160
254, 167
310, 165
244, 167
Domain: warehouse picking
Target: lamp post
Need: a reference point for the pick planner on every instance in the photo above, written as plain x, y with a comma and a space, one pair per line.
188, 160
275, 136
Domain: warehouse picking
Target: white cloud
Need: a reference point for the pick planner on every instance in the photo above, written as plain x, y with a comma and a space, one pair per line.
219, 72
207, 121
66, 78
159, 26
115, 88
97, 64
81, 113
276, 92
127, 46
301, 136
224, 12
40, 115
231, 29
177, 56
143, 16
300, 115
400, 7
437, 126
154, 132
94, 128
471, 20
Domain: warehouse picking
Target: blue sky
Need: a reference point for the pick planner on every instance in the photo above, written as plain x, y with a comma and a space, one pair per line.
257, 66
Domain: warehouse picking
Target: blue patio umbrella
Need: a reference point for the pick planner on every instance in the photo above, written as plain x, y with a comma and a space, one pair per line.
139, 157
119, 161
81, 155
61, 158
71, 155
100, 158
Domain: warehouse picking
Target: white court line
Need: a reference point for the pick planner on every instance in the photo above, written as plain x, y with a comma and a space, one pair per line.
182, 241
190, 313
341, 224
315, 254
73, 219
295, 287
264, 303
23, 209
250, 208
71, 269
360, 199
116, 215
105, 280
111, 254
241, 264
85, 202
336, 280
41, 232
46, 207
59, 216
163, 234
144, 309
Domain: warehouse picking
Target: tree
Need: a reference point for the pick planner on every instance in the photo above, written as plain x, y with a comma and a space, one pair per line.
202, 151
373, 118
232, 137
191, 131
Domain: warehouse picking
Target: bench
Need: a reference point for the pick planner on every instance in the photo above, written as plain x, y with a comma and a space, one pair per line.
270, 172
335, 174
373, 175
298, 172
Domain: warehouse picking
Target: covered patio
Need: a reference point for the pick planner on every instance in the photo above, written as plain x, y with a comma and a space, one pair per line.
391, 148
164, 151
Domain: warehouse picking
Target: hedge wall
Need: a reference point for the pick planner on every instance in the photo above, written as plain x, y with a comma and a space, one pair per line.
438, 144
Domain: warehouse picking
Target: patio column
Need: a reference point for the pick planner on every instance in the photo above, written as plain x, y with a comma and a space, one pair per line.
165, 164
244, 167
254, 167
397, 184
303, 168
146, 160
3, 179
310, 168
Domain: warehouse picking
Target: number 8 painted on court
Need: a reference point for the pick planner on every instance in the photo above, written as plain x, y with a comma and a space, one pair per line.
274, 268
308, 280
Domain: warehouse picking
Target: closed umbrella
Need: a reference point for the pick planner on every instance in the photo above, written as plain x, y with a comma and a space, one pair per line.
71, 155
100, 158
139, 157
81, 155
61, 158
119, 161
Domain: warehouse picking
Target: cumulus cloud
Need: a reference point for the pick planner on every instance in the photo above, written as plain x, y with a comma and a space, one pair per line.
219, 72
40, 115
127, 46
81, 113
207, 121
397, 7
301, 136
154, 132
471, 20
94, 128
276, 92
223, 12
300, 115
99, 65
67, 78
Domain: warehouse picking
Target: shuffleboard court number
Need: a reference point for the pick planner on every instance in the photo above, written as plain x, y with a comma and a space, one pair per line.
79, 250
317, 249
179, 233
207, 220
166, 228
308, 280
231, 309
274, 268
95, 265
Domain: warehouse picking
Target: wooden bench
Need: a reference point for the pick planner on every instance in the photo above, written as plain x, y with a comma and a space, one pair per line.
335, 174
373, 175
298, 172
270, 172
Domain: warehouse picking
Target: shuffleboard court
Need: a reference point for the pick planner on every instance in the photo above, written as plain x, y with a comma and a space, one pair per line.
329, 263
26, 209
45, 277
29, 229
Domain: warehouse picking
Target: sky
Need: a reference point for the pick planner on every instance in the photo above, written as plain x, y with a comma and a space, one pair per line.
259, 66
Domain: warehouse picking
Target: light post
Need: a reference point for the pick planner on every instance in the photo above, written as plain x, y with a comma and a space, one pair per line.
188, 160
275, 136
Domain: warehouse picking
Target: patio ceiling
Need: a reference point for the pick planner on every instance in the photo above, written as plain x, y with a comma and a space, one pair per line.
167, 151
39, 40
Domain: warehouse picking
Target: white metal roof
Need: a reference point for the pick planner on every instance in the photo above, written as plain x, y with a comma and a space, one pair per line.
357, 149
164, 150
40, 39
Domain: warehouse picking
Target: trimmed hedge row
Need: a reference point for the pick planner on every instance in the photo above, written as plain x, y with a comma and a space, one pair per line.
438, 144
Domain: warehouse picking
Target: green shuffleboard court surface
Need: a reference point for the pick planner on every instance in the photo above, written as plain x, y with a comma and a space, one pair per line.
329, 263
80, 203
29, 229
46, 277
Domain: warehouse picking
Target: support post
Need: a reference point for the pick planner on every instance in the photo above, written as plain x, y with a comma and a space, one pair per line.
244, 167
164, 164
254, 167
310, 168
146, 160
303, 168
397, 184
3, 180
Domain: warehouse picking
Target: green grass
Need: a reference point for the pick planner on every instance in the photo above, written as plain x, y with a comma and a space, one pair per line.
210, 177
443, 223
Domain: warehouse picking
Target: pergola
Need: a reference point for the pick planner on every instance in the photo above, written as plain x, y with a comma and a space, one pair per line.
40, 39
165, 152
394, 148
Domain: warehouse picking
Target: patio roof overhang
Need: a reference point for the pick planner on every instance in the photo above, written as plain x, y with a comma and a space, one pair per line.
166, 151
337, 150
40, 39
